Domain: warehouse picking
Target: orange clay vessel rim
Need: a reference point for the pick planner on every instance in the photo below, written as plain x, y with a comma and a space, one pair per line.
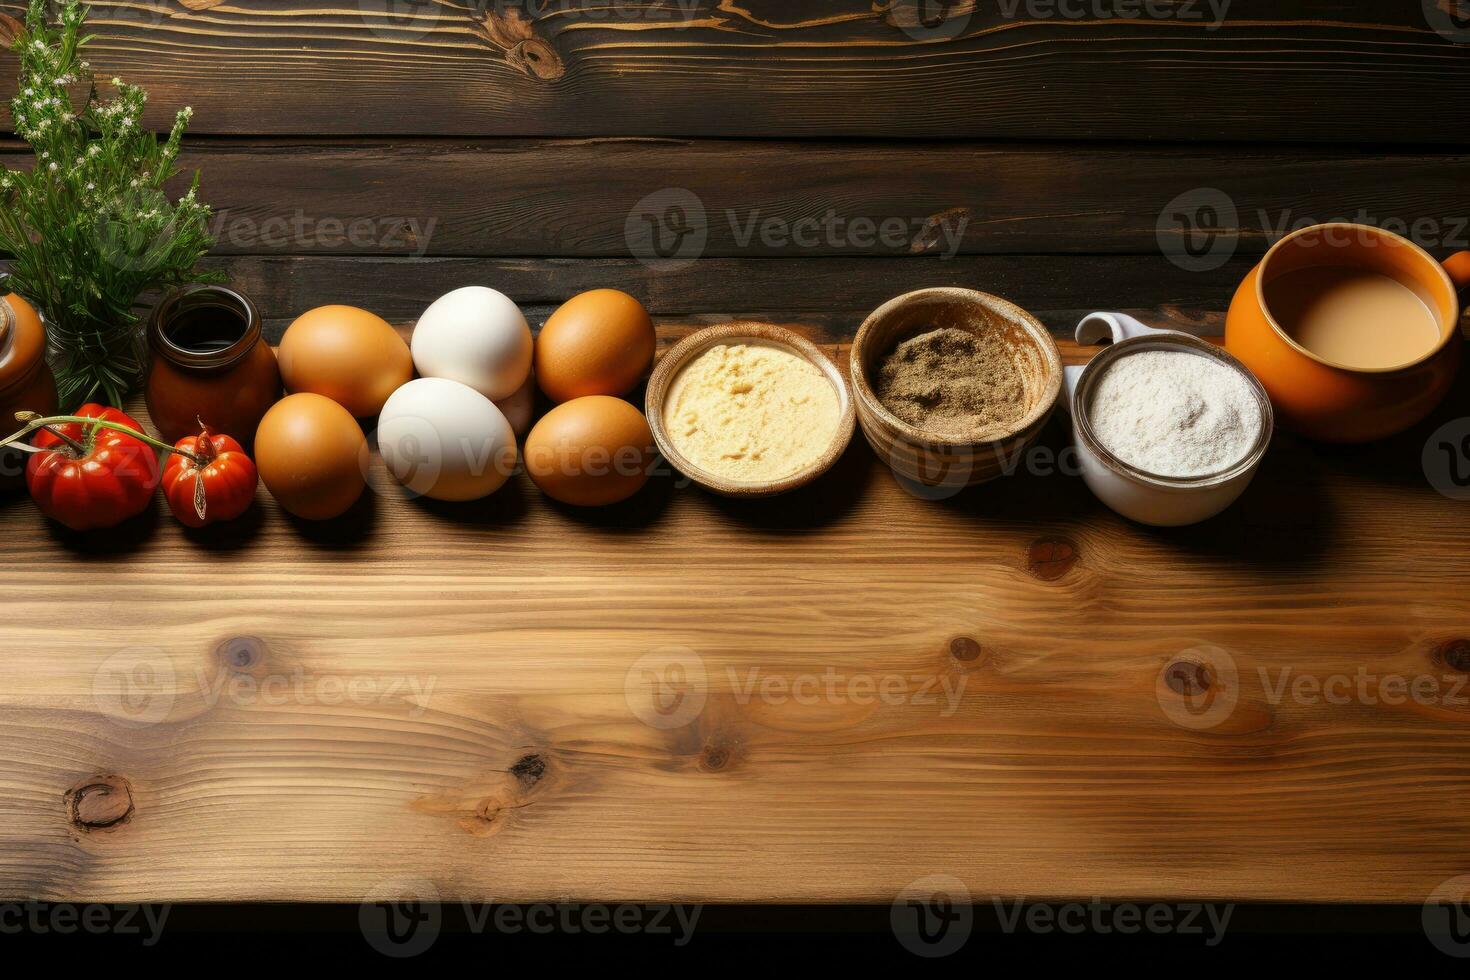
660, 385
1098, 366
1445, 335
1040, 337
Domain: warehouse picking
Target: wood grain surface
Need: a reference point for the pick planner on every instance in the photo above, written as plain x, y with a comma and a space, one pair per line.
1276, 70
1004, 685
820, 697
836, 293
594, 197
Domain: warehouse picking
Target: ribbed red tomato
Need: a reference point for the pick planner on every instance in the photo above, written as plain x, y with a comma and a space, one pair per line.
89, 476
208, 478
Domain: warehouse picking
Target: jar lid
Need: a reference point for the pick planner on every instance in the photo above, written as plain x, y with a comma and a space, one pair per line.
22, 340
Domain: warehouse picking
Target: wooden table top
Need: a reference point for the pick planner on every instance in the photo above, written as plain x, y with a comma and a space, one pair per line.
821, 697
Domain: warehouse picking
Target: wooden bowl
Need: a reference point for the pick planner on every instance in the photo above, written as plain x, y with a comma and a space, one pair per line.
939, 460
756, 334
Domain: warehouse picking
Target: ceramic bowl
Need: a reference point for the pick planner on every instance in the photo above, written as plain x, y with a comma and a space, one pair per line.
762, 334
1150, 498
936, 460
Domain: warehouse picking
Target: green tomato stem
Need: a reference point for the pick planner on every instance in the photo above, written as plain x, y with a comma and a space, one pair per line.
34, 422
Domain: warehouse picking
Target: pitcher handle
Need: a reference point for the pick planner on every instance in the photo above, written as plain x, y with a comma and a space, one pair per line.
1095, 327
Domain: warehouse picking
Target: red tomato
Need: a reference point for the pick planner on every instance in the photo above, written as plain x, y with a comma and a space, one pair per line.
208, 478
99, 479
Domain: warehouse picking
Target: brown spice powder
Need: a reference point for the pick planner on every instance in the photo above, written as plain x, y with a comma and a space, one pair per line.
953, 382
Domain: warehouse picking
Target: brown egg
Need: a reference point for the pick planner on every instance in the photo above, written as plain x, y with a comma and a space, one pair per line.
598, 343
351, 356
590, 451
311, 455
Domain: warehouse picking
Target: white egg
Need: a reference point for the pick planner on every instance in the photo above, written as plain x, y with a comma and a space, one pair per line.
519, 407
476, 336
445, 440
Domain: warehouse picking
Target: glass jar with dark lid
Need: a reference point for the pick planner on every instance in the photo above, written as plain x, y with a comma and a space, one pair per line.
210, 364
26, 382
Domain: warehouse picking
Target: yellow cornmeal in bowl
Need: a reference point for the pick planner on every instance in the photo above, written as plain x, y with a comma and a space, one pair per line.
751, 413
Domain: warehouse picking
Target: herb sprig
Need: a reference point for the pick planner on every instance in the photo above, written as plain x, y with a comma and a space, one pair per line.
89, 226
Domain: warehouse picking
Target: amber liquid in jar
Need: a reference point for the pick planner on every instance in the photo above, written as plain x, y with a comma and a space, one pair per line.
210, 365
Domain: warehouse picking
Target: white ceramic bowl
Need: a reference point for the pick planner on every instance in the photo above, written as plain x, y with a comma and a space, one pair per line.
1149, 498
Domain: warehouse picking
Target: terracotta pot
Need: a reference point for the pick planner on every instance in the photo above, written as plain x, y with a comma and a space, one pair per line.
1332, 402
26, 382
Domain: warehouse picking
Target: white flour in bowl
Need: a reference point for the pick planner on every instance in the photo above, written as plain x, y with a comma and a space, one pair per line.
1173, 413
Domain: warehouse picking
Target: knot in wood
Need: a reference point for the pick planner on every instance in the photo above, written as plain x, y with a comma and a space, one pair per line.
965, 649
529, 769
241, 653
1051, 558
1188, 678
1455, 654
100, 802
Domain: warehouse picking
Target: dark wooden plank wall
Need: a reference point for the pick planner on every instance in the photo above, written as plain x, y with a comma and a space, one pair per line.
824, 154
1278, 70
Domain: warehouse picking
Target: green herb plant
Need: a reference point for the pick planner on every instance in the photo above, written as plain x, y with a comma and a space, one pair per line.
89, 228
